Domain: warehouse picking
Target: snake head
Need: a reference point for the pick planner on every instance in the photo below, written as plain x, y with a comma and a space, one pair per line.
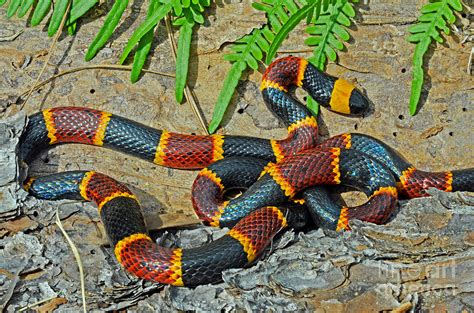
346, 99
358, 103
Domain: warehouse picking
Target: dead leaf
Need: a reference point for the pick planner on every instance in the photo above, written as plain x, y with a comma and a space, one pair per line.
432, 131
51, 305
19, 224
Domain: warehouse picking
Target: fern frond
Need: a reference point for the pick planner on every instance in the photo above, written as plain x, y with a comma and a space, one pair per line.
25, 7
281, 19
296, 12
144, 46
187, 16
329, 32
246, 52
435, 17
79, 8
13, 7
278, 11
41, 8
282, 16
149, 23
288, 26
113, 17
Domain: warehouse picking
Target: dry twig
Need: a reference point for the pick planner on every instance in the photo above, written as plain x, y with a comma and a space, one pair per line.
187, 92
76, 256
90, 67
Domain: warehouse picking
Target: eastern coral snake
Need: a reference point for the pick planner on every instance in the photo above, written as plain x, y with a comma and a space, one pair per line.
275, 172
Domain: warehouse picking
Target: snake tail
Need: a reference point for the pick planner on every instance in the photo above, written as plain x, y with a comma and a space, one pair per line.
411, 182
139, 254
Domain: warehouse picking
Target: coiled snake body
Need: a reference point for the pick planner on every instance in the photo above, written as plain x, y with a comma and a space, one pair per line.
276, 172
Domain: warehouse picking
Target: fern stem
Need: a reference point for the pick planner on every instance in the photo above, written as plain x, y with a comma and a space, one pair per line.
418, 74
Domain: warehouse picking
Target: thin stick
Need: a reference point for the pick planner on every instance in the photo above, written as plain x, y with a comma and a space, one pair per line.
30, 306
187, 92
14, 281
50, 53
469, 62
98, 66
76, 256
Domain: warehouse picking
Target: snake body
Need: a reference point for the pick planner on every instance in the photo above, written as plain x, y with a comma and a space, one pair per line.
276, 172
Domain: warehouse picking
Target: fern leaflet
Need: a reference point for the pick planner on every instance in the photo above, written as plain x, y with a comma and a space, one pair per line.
435, 17
328, 32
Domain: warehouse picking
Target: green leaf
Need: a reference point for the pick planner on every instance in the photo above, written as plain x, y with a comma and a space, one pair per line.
341, 32
177, 8
227, 91
197, 16
326, 4
42, 8
434, 19
455, 4
144, 46
330, 53
206, 3
60, 7
71, 28
329, 33
251, 62
2, 2
348, 9
414, 38
312, 105
259, 6
336, 44
107, 28
149, 23
418, 75
285, 30
430, 7
25, 7
182, 58
79, 8
14, 5
418, 28
448, 15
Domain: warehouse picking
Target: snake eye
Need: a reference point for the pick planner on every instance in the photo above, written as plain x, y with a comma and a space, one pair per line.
358, 103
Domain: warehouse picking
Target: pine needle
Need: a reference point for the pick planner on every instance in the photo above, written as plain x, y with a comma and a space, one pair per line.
93, 67
78, 259
31, 306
